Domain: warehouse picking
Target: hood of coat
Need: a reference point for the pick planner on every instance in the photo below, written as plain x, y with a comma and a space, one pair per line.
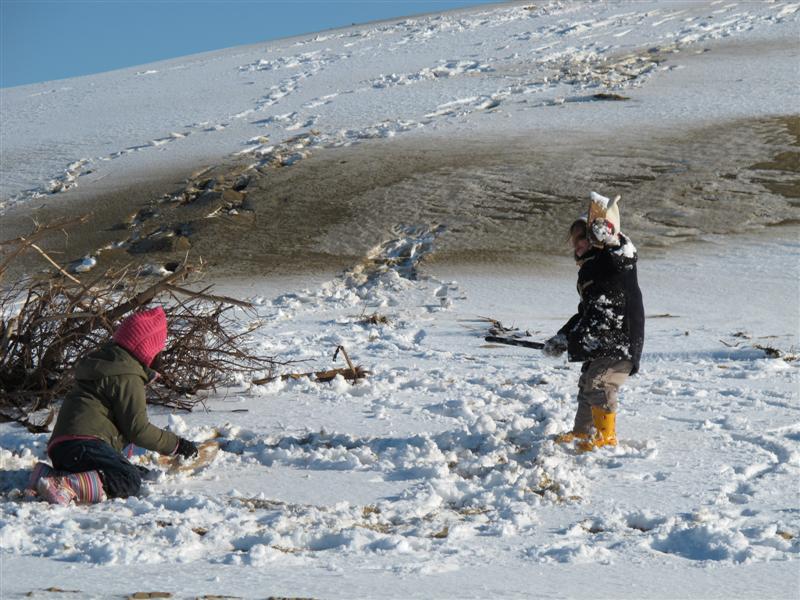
110, 360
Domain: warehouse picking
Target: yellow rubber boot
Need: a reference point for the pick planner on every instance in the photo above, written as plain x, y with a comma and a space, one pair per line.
570, 436
605, 424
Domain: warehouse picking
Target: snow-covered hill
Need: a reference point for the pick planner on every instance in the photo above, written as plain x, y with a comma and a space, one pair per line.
437, 476
497, 69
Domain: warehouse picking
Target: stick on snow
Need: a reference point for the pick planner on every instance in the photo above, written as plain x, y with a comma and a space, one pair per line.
514, 342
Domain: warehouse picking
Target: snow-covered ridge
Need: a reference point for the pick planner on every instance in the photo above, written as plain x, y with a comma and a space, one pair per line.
437, 73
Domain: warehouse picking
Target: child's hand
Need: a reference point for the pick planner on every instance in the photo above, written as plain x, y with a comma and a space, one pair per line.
555, 346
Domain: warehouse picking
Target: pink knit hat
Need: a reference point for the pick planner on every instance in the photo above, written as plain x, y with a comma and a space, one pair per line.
143, 334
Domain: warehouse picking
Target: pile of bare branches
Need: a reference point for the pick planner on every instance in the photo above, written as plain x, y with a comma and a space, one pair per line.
207, 346
47, 323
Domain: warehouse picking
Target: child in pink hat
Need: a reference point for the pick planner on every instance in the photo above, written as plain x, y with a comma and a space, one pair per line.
104, 412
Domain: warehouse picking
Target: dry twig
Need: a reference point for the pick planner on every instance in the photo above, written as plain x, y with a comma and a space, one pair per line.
352, 372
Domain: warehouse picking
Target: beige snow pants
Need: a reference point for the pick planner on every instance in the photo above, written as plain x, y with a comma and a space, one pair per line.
598, 385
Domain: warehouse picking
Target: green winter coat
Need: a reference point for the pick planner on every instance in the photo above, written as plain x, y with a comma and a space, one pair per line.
108, 402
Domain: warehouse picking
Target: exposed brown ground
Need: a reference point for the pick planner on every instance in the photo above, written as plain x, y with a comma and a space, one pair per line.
500, 199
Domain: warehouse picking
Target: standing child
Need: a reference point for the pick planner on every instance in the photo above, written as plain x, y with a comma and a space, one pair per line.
105, 411
607, 334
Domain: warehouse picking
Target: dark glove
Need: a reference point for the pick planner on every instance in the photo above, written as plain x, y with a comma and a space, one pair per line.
555, 346
186, 448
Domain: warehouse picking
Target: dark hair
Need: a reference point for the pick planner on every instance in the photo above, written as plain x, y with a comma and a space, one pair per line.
577, 224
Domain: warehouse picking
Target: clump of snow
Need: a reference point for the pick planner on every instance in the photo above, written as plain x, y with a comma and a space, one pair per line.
82, 265
628, 250
602, 233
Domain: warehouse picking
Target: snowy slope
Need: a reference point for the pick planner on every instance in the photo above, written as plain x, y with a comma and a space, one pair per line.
437, 476
509, 68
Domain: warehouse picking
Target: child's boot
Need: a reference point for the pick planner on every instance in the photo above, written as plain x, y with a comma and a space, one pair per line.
40, 469
605, 424
84, 488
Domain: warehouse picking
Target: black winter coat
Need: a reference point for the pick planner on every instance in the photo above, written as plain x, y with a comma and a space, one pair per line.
610, 319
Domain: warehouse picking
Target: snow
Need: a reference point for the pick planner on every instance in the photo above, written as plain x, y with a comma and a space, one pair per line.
627, 250
437, 476
82, 265
439, 465
489, 69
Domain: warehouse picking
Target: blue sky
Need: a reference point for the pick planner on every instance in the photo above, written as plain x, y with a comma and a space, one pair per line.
42, 40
